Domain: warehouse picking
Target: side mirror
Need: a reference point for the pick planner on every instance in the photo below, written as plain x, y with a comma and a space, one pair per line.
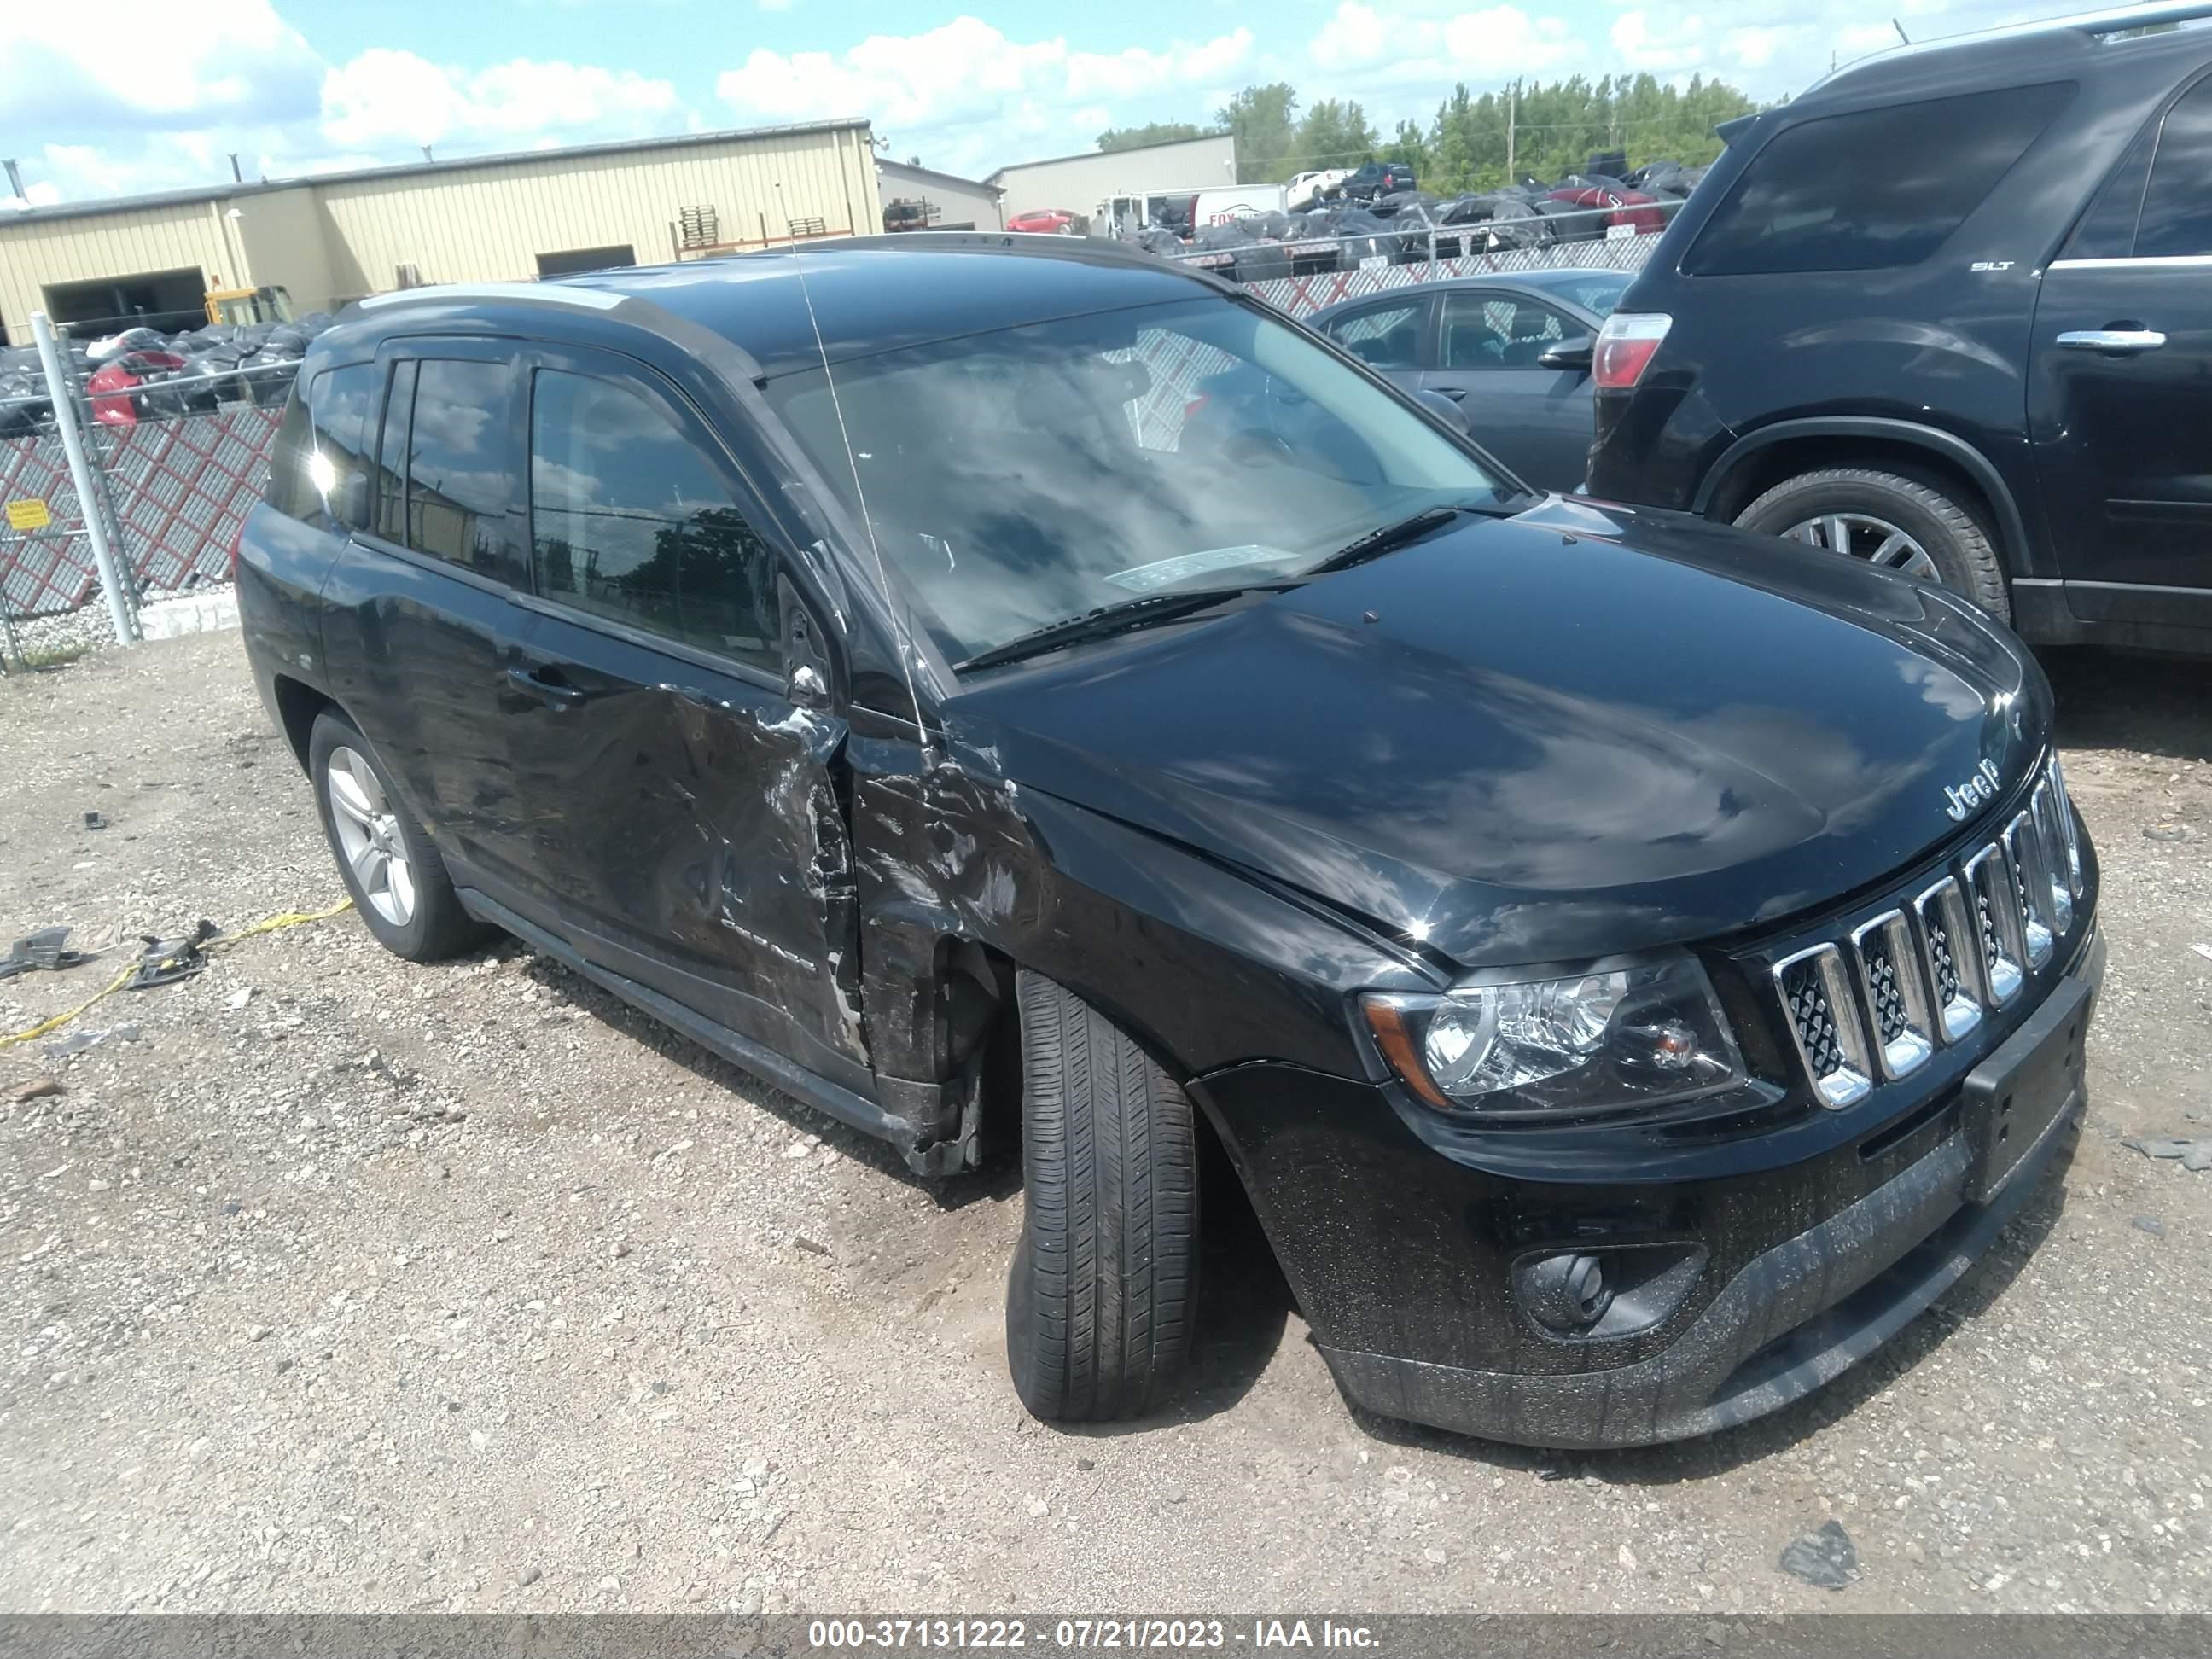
1445, 410
1573, 352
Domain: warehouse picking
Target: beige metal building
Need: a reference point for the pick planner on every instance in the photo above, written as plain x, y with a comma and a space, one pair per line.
921, 199
1079, 184
334, 238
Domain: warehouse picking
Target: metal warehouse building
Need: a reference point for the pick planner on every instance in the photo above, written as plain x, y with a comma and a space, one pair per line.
1077, 184
338, 236
947, 201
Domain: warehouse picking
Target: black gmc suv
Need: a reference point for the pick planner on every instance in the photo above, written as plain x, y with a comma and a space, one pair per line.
1631, 967
1951, 310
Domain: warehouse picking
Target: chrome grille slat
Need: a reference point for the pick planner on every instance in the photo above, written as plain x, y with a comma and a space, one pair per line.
1896, 992
2068, 827
1996, 925
2031, 887
1824, 1022
2051, 835
1944, 935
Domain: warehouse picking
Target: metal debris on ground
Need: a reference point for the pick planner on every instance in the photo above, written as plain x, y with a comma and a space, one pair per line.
91, 1036
1826, 1558
38, 1088
94, 820
42, 951
2194, 1155
166, 960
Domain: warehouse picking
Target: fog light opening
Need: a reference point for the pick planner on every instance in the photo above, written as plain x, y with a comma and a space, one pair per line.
1568, 1293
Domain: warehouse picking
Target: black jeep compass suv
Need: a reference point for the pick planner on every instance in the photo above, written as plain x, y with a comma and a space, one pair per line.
1951, 311
1632, 967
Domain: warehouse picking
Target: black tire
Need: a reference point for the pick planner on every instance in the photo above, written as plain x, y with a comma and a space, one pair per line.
438, 926
1104, 1285
1954, 538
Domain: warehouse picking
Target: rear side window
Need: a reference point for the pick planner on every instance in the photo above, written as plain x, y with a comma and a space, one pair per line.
630, 521
1882, 188
2177, 206
460, 495
316, 463
1384, 336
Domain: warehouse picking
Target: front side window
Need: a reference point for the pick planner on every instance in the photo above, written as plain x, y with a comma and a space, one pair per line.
2177, 206
1384, 337
1875, 189
630, 521
1187, 445
1497, 330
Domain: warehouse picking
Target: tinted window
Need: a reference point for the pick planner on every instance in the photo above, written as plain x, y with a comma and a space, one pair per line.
389, 516
630, 521
2107, 230
1881, 187
342, 419
1497, 330
317, 452
1386, 337
458, 492
2176, 208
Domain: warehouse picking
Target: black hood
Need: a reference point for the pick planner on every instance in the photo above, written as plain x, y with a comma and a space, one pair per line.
1587, 729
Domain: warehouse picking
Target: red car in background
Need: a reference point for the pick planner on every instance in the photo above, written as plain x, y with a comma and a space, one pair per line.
1635, 209
1051, 221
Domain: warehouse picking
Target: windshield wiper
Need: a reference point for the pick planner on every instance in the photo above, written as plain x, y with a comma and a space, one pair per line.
1377, 543
1119, 617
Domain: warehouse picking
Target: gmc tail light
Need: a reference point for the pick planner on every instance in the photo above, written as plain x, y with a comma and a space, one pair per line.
1626, 347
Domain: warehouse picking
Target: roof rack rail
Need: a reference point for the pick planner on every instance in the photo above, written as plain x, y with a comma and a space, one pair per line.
547, 293
2111, 21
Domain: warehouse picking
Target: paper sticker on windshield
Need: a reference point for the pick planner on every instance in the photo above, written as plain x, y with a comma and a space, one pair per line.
1166, 573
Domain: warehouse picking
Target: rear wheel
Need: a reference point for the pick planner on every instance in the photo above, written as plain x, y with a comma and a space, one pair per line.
390, 865
1896, 519
1104, 1284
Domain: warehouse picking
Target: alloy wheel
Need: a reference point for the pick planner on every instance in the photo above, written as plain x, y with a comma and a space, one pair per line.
1863, 536
368, 836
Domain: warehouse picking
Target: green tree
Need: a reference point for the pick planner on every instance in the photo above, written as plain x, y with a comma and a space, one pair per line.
1264, 120
1333, 135
1152, 132
1410, 145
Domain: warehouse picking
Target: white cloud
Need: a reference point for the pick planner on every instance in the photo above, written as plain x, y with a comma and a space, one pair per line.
385, 96
132, 65
967, 95
1422, 48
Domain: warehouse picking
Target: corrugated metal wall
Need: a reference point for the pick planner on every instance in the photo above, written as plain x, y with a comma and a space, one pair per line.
342, 238
957, 201
1079, 183
181, 236
491, 224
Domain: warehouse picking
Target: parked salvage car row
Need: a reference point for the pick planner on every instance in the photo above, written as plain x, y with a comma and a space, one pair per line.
145, 374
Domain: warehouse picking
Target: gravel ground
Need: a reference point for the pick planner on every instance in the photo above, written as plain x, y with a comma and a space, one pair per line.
350, 1284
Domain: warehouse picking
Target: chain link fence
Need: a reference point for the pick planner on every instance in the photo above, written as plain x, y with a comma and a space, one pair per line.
174, 464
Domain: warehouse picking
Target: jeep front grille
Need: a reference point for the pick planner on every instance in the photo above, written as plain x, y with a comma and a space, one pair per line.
1924, 973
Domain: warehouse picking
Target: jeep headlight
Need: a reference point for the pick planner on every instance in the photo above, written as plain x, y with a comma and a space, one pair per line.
1586, 1043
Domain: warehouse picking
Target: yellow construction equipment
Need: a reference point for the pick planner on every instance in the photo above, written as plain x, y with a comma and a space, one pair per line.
269, 304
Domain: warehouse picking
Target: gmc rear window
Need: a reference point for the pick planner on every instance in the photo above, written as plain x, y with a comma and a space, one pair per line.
1877, 188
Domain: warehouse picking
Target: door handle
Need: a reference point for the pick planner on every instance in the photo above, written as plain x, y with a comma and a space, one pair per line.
527, 680
2118, 342
1457, 394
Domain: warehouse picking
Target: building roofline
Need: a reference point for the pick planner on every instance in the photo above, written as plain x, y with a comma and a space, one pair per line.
884, 163
1088, 154
409, 169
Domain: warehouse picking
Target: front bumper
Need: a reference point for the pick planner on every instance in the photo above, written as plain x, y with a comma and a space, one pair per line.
1797, 1286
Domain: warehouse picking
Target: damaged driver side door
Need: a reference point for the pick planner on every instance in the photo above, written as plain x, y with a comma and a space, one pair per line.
672, 723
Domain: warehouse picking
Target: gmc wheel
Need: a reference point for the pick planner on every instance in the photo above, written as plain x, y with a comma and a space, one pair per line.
1895, 519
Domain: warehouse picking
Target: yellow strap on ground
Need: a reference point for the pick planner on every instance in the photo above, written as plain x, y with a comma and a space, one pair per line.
220, 941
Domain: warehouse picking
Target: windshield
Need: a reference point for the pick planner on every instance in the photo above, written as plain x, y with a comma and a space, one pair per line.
1017, 478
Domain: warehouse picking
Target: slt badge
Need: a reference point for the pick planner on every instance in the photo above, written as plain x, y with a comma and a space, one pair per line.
1961, 800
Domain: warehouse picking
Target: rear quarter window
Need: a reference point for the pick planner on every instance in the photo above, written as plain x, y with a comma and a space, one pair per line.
1875, 189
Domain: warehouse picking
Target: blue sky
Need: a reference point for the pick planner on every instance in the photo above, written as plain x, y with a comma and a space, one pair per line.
137, 102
